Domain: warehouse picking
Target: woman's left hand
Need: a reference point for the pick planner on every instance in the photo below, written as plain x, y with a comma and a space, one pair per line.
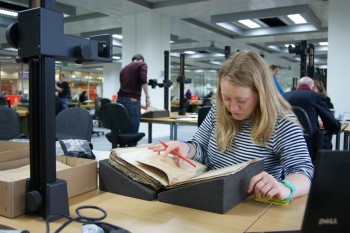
265, 185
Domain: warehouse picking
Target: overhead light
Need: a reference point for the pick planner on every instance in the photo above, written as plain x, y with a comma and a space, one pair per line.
117, 36
287, 45
249, 23
323, 43
172, 42
189, 52
8, 13
297, 18
11, 49
116, 57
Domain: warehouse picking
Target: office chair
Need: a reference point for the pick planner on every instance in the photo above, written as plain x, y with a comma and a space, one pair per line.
202, 113
9, 124
305, 122
5, 103
97, 117
74, 123
116, 118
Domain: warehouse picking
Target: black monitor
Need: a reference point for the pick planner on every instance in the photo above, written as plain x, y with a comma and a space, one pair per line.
328, 204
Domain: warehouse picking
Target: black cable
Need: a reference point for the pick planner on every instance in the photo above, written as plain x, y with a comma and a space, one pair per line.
86, 220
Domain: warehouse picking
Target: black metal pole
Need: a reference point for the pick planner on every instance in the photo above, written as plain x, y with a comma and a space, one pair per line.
166, 80
311, 66
182, 84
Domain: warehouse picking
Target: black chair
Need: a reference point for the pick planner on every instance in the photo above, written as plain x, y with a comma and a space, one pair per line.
116, 118
74, 123
97, 117
5, 103
202, 113
309, 133
9, 124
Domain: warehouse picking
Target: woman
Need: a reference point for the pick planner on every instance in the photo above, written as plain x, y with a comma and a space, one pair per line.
319, 87
83, 97
251, 120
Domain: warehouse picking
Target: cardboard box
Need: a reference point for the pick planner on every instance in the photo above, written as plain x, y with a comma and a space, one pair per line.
80, 178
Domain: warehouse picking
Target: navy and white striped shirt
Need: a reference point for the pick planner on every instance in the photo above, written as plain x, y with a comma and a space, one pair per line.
286, 152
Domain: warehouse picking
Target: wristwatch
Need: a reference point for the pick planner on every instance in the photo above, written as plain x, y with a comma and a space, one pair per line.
291, 187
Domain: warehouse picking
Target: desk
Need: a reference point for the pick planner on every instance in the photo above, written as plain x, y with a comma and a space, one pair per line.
346, 137
138, 215
23, 120
77, 104
173, 122
281, 218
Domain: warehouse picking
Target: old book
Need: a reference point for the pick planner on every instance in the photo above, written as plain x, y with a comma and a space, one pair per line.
158, 171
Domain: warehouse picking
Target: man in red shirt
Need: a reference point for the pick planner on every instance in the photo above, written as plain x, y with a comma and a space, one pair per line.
133, 78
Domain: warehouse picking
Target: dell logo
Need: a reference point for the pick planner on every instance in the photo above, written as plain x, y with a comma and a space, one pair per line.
328, 221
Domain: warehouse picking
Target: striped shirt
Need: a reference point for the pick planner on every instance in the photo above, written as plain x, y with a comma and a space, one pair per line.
285, 153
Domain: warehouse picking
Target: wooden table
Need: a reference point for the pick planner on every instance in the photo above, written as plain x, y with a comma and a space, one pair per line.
281, 218
173, 121
346, 137
138, 215
23, 120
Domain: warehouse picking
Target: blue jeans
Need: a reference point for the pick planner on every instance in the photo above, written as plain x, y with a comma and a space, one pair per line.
134, 110
63, 102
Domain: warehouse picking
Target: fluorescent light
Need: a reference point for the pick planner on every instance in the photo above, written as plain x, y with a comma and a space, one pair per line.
116, 57
323, 43
297, 18
116, 36
249, 23
8, 13
287, 45
172, 42
189, 52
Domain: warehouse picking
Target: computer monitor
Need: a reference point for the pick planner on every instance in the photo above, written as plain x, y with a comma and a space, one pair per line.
328, 204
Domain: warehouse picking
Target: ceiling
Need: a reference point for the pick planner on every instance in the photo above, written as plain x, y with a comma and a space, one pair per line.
203, 26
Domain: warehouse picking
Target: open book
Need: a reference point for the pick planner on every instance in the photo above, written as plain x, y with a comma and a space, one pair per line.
147, 167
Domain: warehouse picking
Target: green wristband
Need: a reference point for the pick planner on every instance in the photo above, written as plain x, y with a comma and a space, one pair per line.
291, 187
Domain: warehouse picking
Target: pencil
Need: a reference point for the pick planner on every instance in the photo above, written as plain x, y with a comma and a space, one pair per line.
175, 152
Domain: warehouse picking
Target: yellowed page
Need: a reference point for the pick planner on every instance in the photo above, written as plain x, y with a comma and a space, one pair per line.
174, 173
135, 161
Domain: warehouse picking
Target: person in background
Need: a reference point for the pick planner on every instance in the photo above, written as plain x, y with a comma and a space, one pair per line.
315, 105
274, 70
22, 97
3, 95
63, 89
319, 87
83, 97
133, 78
251, 120
188, 94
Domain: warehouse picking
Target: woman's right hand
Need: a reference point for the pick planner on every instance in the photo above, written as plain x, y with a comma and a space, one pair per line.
181, 147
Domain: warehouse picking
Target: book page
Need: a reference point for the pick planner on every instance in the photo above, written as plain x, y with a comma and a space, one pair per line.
175, 174
226, 171
144, 165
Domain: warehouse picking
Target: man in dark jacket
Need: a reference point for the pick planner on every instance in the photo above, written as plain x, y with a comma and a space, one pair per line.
315, 104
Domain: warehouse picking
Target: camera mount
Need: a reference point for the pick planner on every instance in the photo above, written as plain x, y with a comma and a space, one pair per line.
39, 37
303, 49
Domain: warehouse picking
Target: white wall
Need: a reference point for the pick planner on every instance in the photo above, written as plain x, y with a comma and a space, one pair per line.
148, 34
111, 82
338, 78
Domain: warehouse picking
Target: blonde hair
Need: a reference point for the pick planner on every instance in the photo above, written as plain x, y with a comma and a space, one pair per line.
249, 69
319, 85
